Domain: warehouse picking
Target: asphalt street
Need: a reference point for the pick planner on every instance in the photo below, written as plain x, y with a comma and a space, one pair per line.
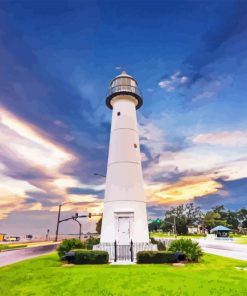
9, 257
221, 248
224, 248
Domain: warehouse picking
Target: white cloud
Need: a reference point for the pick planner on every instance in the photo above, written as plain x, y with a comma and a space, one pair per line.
235, 138
173, 81
210, 88
152, 137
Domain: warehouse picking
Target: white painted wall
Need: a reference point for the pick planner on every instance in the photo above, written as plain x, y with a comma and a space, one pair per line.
124, 193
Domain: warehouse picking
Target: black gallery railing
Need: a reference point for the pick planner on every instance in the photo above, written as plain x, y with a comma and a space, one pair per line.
124, 88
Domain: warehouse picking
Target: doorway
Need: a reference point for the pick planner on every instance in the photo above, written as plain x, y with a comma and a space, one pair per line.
123, 230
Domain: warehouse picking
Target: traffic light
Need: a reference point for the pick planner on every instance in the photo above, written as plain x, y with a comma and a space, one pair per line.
158, 221
76, 215
89, 215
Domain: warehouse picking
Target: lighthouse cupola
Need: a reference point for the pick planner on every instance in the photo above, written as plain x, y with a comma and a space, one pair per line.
126, 85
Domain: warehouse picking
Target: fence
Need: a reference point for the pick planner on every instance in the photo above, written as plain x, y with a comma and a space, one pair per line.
128, 252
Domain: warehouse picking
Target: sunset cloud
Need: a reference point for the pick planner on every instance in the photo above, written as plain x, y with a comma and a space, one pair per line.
28, 153
182, 191
236, 138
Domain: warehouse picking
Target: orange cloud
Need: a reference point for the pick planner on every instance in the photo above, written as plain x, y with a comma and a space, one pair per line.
184, 190
27, 146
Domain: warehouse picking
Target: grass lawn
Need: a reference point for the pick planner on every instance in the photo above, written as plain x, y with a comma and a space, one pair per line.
240, 240
46, 276
165, 235
10, 247
237, 239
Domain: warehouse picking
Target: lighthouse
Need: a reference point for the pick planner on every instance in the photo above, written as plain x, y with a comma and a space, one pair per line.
124, 213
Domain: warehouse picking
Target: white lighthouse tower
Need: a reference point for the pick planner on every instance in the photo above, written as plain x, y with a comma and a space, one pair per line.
124, 215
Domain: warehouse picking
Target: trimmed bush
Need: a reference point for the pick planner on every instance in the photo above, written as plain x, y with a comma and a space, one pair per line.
160, 244
74, 243
67, 245
191, 249
91, 241
155, 257
90, 257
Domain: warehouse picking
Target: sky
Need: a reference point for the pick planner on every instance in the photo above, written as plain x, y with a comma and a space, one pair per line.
56, 61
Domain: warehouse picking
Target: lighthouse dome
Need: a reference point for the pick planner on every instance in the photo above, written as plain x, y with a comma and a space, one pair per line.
124, 84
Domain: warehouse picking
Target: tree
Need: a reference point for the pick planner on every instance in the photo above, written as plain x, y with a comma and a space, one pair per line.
242, 217
212, 219
185, 215
154, 225
99, 225
232, 220
220, 216
244, 224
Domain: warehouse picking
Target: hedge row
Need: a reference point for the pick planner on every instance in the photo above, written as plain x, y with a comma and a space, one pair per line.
156, 257
88, 257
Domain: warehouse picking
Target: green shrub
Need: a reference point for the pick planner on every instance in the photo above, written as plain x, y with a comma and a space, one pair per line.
155, 257
67, 245
91, 241
74, 243
191, 249
90, 257
160, 244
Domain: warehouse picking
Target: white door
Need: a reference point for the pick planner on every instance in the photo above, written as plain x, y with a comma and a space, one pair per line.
123, 230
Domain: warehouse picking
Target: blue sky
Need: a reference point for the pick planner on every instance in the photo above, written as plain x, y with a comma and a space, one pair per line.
56, 61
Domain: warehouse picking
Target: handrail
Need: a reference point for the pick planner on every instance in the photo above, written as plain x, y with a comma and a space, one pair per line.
124, 88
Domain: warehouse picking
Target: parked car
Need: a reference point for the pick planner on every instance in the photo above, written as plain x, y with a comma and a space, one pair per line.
12, 238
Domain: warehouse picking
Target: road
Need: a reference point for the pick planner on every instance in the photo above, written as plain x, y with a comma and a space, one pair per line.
221, 248
224, 248
13, 256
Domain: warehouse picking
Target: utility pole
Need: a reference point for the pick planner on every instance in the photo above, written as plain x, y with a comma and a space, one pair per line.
174, 226
203, 225
58, 219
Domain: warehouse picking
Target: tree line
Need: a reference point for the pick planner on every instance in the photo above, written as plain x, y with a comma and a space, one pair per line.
189, 215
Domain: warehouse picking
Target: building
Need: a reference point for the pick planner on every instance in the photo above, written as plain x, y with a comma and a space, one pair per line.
124, 214
221, 231
2, 236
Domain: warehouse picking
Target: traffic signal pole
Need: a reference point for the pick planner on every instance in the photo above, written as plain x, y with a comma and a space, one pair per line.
72, 218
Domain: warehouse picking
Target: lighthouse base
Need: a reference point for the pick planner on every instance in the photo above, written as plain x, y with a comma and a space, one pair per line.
128, 252
124, 221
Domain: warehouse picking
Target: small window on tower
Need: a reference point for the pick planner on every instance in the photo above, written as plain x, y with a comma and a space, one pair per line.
135, 145
118, 114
